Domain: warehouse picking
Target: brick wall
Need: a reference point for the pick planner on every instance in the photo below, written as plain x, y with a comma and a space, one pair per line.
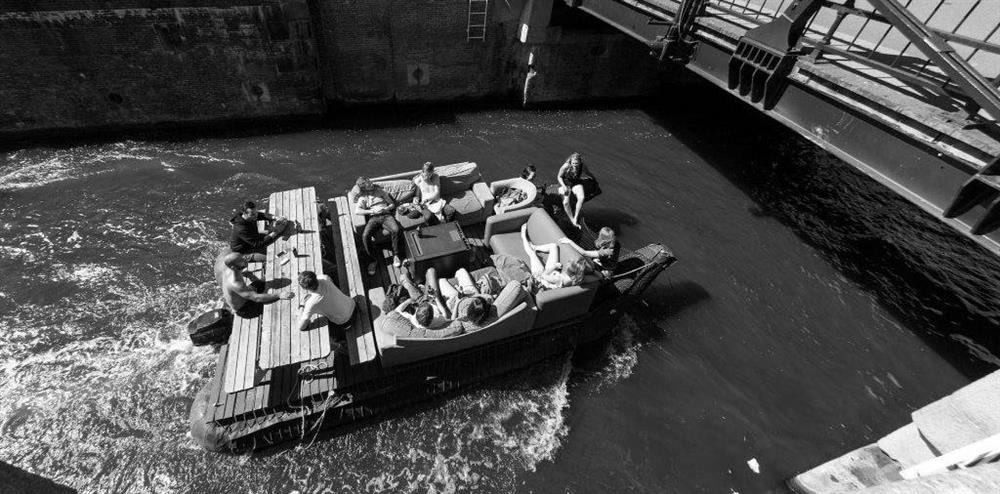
95, 63
151, 61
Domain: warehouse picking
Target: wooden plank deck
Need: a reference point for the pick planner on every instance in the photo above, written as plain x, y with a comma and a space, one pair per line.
360, 337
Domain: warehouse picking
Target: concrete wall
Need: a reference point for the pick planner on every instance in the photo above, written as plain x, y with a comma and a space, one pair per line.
83, 64
136, 64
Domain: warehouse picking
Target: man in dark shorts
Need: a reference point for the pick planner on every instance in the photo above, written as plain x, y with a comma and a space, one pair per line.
246, 239
244, 300
377, 206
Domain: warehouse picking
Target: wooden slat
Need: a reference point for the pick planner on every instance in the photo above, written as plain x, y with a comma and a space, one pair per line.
215, 396
293, 202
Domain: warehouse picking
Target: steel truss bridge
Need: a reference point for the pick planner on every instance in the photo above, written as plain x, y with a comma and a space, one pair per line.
905, 91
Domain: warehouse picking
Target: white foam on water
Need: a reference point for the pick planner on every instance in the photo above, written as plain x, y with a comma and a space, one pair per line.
21, 254
25, 172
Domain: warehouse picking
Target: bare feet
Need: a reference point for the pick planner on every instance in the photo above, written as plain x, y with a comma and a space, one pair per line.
524, 236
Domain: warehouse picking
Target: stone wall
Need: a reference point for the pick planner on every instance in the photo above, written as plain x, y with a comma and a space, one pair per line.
94, 63
152, 61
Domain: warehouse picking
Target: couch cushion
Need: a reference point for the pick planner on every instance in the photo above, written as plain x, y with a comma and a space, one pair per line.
511, 268
458, 177
465, 203
509, 244
400, 190
394, 324
470, 327
542, 229
509, 297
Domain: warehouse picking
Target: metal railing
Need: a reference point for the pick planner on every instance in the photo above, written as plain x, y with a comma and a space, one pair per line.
854, 35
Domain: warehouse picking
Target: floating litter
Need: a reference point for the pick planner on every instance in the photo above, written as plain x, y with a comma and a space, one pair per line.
752, 463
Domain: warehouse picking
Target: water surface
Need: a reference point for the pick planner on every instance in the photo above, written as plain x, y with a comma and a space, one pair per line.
811, 311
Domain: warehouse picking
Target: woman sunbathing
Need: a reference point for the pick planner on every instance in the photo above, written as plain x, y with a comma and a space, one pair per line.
552, 274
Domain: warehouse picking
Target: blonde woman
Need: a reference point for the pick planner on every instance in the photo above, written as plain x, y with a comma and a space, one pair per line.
576, 183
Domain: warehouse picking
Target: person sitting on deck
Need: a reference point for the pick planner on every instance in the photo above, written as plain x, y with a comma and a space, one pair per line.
606, 250
245, 301
246, 239
552, 275
576, 182
428, 196
325, 299
377, 205
424, 308
465, 303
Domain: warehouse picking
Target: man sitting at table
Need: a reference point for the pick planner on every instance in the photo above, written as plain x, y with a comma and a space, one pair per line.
246, 239
245, 301
325, 299
377, 205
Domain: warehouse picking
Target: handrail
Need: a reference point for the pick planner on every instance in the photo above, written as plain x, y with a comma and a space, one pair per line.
982, 451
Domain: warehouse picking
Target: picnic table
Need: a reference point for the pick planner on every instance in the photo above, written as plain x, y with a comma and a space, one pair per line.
273, 339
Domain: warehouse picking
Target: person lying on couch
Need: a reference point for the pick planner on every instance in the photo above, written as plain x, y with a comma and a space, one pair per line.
552, 275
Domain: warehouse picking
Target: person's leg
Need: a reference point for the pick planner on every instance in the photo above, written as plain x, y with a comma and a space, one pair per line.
392, 228
430, 218
448, 212
579, 194
566, 205
255, 257
369, 243
552, 261
408, 285
465, 283
447, 289
536, 266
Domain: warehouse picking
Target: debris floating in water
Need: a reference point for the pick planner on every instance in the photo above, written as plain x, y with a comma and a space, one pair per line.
752, 463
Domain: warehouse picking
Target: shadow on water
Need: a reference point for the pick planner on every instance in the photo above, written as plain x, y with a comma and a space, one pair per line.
943, 286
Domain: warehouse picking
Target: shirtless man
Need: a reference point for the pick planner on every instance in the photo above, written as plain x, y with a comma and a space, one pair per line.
244, 300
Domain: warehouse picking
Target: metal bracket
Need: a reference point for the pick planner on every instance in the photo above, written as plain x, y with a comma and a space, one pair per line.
678, 45
980, 188
765, 55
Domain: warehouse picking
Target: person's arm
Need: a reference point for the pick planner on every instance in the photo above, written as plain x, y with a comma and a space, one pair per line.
362, 206
263, 298
307, 311
559, 177
255, 240
389, 200
419, 195
593, 254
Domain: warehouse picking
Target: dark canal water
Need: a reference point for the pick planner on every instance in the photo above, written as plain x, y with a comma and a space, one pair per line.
811, 311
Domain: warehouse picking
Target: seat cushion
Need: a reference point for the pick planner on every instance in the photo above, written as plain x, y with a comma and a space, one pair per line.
394, 324
465, 203
511, 295
509, 244
457, 177
542, 229
400, 190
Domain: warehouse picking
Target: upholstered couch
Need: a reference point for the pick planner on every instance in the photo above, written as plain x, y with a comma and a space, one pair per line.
503, 235
462, 186
400, 342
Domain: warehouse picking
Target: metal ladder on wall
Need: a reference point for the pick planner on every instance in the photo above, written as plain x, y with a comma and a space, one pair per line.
476, 29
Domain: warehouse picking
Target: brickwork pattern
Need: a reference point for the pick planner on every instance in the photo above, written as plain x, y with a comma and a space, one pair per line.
92, 68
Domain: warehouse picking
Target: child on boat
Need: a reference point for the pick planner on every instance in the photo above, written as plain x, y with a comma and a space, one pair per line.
606, 250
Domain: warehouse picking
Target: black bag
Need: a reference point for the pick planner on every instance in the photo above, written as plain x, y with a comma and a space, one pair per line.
212, 327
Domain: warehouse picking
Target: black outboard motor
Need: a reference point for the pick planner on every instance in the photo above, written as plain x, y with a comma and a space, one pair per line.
212, 327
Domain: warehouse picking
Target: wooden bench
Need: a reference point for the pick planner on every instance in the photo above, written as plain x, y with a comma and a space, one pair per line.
360, 337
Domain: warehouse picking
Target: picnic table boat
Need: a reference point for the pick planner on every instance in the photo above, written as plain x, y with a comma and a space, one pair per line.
274, 383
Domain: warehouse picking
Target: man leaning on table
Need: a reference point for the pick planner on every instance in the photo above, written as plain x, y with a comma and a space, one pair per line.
325, 299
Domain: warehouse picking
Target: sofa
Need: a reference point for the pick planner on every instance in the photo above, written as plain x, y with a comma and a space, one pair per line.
503, 235
400, 342
462, 186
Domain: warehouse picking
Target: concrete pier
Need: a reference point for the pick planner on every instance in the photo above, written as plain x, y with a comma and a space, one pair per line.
953, 423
